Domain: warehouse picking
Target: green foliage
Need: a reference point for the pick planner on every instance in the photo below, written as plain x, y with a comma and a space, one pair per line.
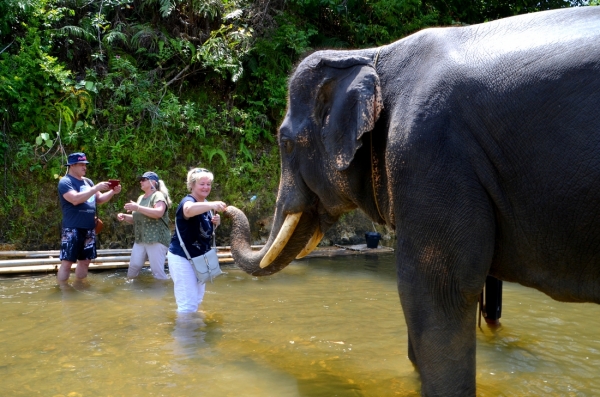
364, 23
471, 12
16, 15
224, 50
269, 64
37, 99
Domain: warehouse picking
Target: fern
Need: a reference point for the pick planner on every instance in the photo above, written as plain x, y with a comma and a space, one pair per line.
75, 31
209, 9
166, 7
113, 37
146, 37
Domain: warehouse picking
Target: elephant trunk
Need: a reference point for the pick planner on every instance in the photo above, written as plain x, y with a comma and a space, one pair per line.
279, 250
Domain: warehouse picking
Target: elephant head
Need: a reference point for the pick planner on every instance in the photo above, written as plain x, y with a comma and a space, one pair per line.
334, 100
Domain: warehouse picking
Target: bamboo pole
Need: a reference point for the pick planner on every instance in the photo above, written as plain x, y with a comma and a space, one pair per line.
100, 252
56, 261
52, 268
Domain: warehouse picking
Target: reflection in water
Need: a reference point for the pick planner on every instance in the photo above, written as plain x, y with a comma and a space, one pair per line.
322, 327
188, 338
371, 261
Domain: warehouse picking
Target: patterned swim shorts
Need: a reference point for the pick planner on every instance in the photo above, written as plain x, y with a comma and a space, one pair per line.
77, 244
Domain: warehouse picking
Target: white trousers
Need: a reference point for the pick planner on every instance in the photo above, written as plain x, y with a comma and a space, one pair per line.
188, 292
155, 253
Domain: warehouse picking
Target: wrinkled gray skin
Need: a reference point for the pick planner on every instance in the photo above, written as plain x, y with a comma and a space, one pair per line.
486, 159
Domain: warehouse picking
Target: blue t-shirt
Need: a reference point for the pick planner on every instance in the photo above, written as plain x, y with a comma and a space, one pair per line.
81, 215
196, 232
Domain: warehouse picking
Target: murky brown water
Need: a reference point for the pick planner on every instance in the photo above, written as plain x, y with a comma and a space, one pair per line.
322, 327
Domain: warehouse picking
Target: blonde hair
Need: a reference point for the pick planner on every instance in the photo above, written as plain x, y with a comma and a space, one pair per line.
197, 173
163, 189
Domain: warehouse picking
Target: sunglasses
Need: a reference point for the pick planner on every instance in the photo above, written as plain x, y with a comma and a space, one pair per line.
143, 179
200, 170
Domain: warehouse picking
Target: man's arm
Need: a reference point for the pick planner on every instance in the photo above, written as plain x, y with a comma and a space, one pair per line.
104, 197
76, 198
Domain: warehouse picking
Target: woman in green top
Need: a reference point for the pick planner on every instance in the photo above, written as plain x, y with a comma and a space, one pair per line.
151, 226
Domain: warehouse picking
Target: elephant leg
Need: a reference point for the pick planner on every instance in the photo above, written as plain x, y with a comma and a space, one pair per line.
442, 347
439, 295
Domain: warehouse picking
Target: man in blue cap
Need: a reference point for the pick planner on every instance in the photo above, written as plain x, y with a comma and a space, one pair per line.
78, 198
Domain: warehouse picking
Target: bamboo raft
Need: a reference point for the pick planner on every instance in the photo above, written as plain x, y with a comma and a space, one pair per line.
24, 262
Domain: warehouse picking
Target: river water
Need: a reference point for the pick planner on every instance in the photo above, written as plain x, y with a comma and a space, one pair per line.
321, 327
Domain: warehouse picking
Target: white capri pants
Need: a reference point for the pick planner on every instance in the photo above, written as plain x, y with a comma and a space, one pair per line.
155, 253
188, 292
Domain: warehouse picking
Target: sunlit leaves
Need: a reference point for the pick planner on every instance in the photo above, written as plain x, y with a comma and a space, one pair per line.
44, 139
224, 50
235, 14
166, 7
210, 9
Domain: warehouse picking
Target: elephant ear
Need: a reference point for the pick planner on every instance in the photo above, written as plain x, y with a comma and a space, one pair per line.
348, 105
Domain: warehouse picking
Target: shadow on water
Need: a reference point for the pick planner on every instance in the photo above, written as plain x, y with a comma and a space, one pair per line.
322, 327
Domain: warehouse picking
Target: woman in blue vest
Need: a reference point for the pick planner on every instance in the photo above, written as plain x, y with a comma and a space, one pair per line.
196, 223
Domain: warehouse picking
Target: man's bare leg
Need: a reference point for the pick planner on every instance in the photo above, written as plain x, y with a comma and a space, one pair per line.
62, 276
81, 271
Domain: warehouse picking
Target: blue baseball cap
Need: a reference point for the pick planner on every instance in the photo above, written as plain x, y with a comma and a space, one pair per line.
149, 175
75, 158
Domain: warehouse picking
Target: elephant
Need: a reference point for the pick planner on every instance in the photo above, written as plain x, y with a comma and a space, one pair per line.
479, 145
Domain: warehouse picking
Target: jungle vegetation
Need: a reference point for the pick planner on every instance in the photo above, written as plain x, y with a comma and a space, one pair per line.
166, 85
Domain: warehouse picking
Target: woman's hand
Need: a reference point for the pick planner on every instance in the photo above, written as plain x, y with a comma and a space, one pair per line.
216, 220
218, 206
131, 206
125, 217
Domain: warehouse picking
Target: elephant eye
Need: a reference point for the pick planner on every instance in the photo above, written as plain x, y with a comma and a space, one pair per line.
288, 146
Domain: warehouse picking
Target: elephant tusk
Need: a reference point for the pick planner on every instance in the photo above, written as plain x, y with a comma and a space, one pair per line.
286, 231
312, 243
